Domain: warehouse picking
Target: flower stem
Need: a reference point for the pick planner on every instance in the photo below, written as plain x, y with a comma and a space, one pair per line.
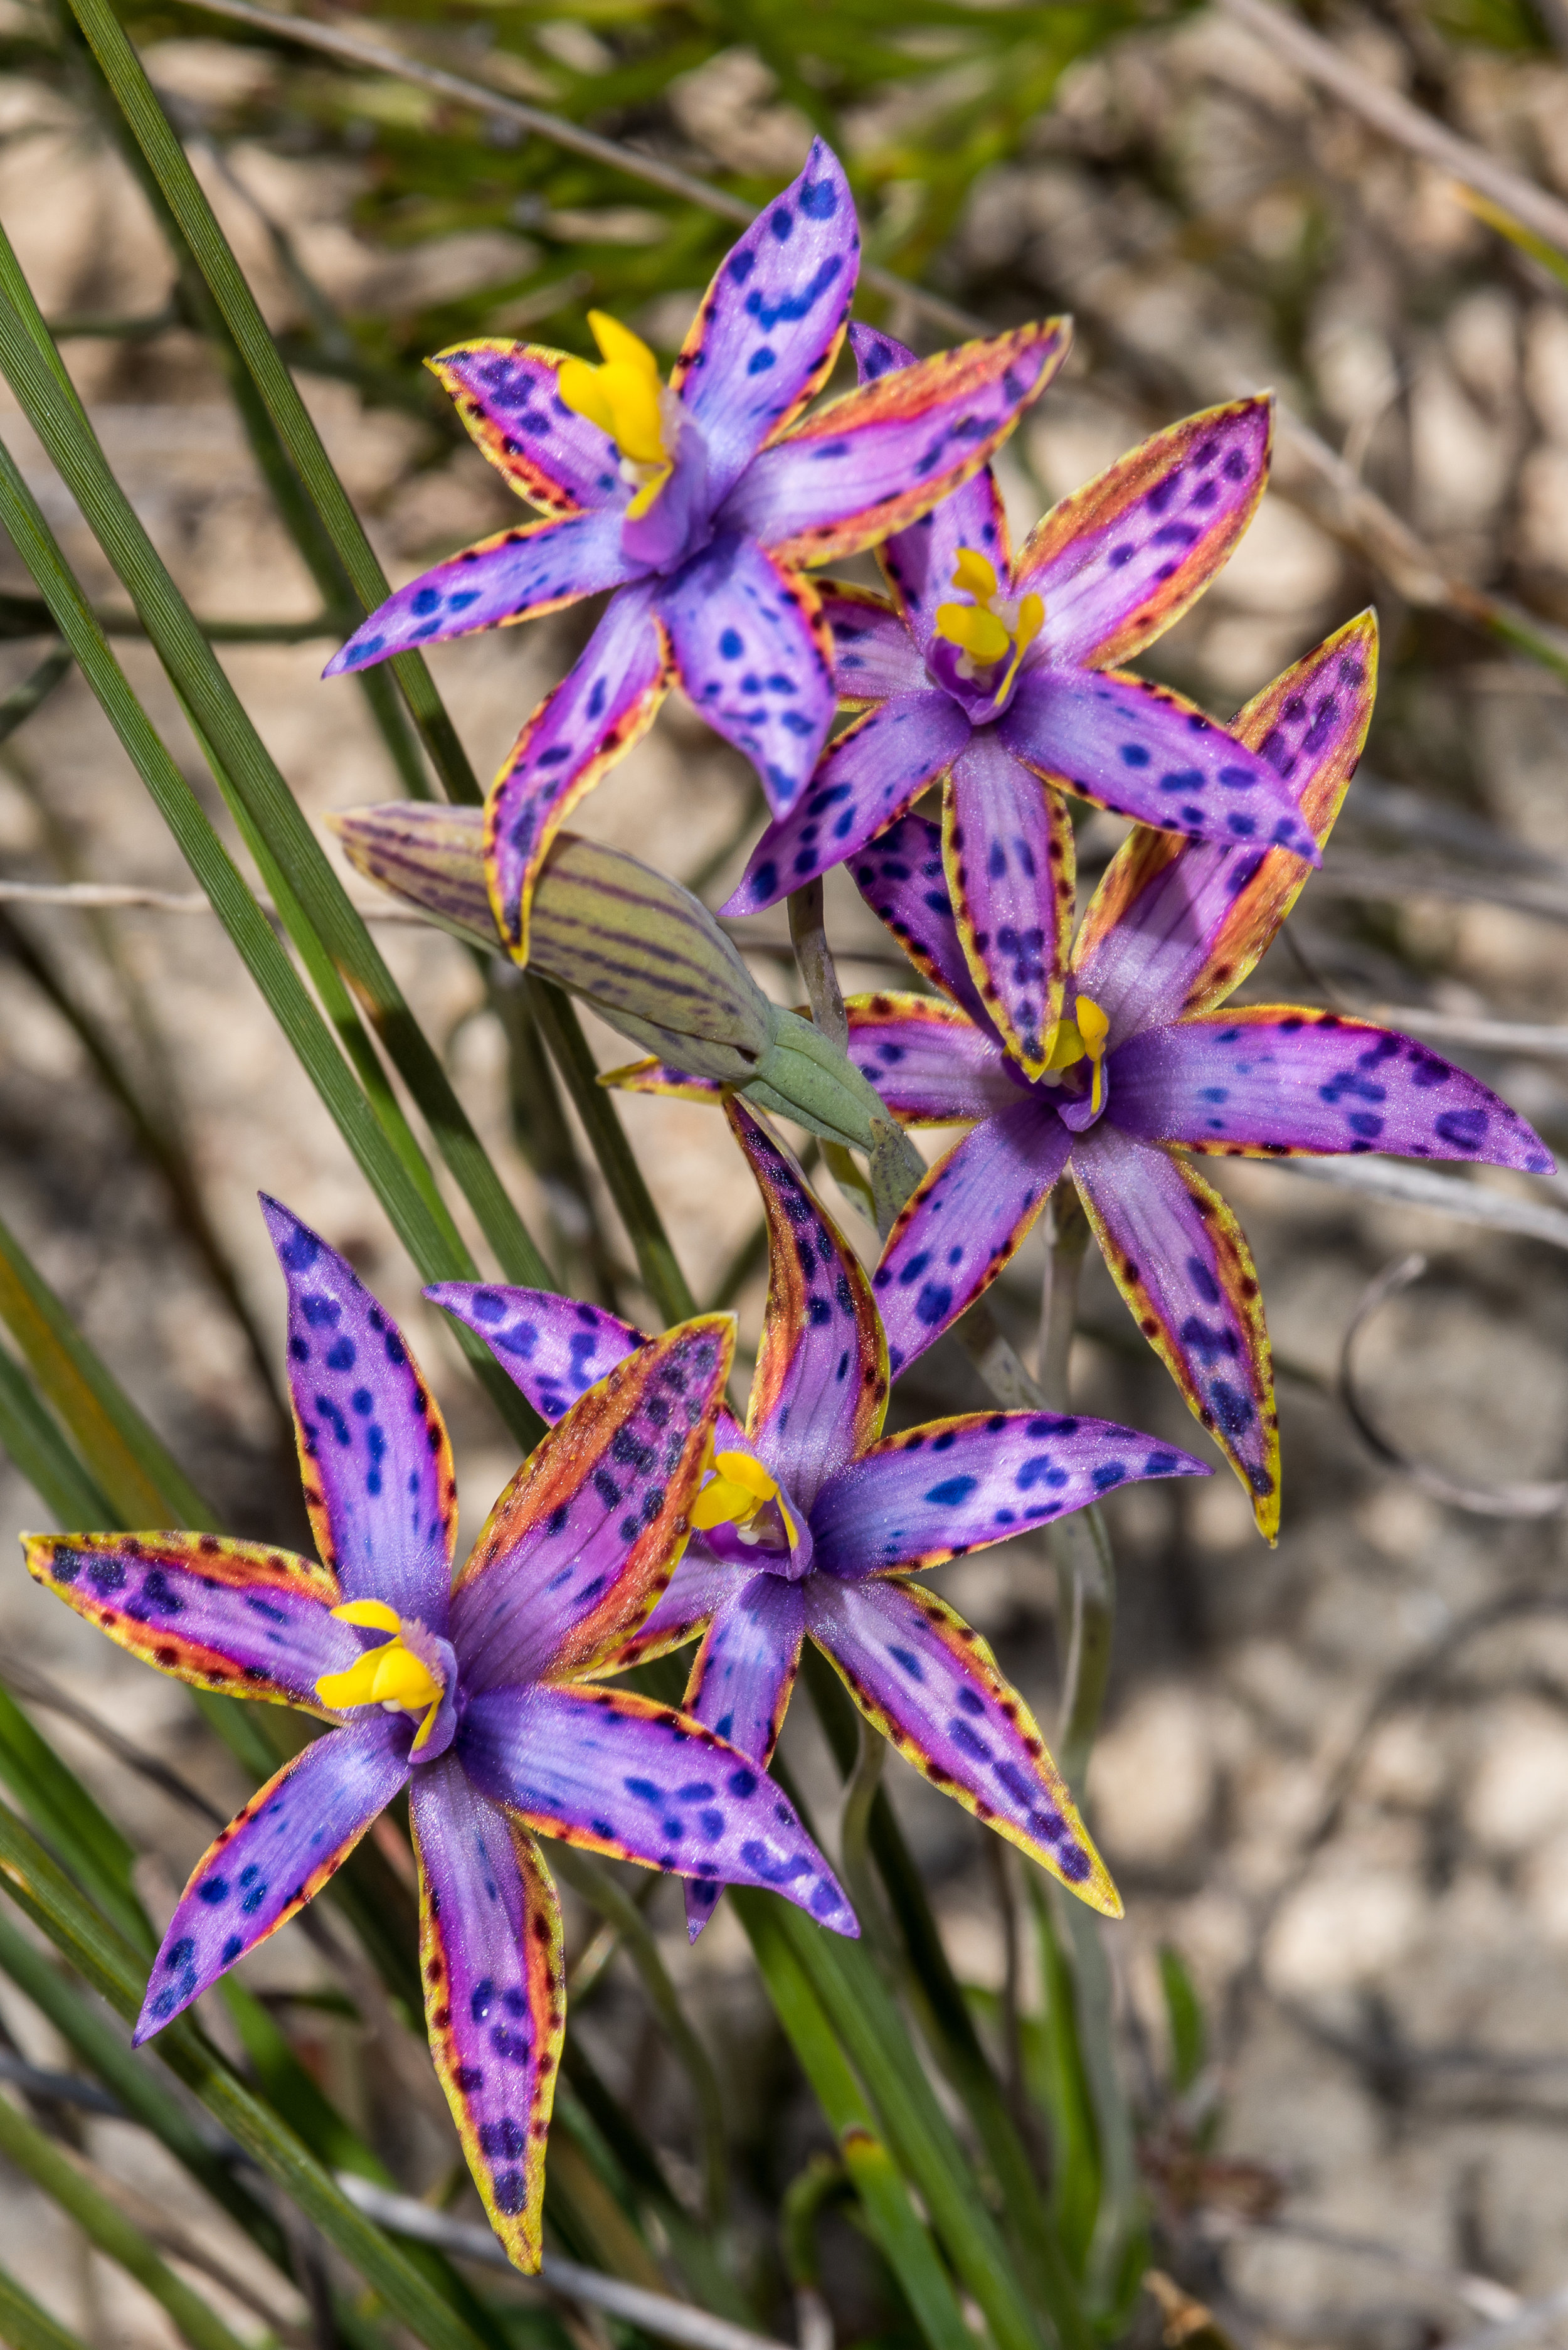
808, 936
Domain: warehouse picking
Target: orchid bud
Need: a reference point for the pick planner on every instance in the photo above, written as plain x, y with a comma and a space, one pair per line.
646, 954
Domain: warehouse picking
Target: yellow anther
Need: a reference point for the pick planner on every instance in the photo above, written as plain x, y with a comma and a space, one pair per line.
738, 1492
1083, 1037
392, 1676
988, 632
624, 399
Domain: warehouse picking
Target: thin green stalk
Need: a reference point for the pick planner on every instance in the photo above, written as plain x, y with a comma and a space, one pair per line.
895, 2225
107, 2227
25, 2326
225, 728
41, 1889
588, 1877
42, 1452
237, 305
128, 1458
814, 958
563, 1032
19, 704
248, 927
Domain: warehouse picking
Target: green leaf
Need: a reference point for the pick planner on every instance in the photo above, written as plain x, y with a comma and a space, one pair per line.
61, 1809
209, 247
43, 1453
25, 2326
144, 1483
1184, 2018
1058, 2082
41, 1888
107, 2227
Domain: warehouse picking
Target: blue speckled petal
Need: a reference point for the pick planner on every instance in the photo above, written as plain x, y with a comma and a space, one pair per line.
274, 1855
553, 1348
754, 659
955, 1485
740, 1686
619, 1775
373, 1449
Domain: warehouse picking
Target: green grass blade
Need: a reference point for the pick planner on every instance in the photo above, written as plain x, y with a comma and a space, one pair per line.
209, 249
135, 2081
34, 1440
225, 729
898, 2230
144, 1483
60, 1808
866, 2022
1184, 2018
41, 1888
1058, 2081
25, 2326
248, 929
107, 2227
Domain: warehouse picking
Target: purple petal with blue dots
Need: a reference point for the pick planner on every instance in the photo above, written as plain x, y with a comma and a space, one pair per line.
553, 1348
928, 1682
954, 1485
606, 700
491, 1959
874, 654
964, 1222
741, 1684
754, 659
615, 1771
1273, 1080
581, 1544
373, 1450
699, 1585
902, 878
871, 773
508, 396
771, 319
518, 575
274, 1855
1007, 843
927, 1060
1145, 751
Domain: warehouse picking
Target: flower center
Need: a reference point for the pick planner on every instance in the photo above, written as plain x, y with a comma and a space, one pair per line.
397, 1677
988, 630
742, 1494
1082, 1036
625, 399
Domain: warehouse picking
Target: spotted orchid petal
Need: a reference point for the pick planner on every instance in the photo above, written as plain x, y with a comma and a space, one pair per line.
918, 563
882, 455
741, 1684
653, 1076
871, 773
508, 396
240, 1617
373, 1450
755, 658
1009, 859
1143, 751
1182, 1261
771, 322
1176, 925
903, 879
960, 1228
587, 1535
1122, 558
928, 1681
927, 1060
955, 1485
605, 702
872, 653
519, 575
1269, 1079
553, 1348
275, 1854
699, 1586
495, 1992
619, 1775
821, 1385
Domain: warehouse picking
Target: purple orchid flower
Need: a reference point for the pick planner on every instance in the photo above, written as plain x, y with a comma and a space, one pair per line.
1017, 687
814, 1525
697, 504
470, 1694
1148, 1068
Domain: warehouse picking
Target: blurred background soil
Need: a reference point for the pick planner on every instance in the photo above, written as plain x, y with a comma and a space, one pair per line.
1334, 1777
